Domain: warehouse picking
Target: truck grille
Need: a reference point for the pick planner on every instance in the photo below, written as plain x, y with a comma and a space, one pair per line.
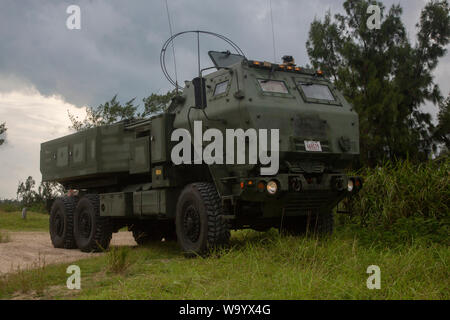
311, 201
310, 126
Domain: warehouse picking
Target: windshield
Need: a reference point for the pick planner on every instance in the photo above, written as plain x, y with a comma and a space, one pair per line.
317, 91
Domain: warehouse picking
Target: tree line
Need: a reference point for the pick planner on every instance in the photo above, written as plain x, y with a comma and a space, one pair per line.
113, 111
2, 131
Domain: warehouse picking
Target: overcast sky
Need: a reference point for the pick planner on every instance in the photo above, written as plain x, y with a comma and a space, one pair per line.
47, 69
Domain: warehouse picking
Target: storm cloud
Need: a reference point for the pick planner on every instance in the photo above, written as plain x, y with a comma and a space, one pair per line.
117, 48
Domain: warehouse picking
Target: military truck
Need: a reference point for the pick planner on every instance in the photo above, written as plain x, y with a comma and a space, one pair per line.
122, 175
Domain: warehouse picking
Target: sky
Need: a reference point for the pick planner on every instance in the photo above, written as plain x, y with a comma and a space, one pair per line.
47, 70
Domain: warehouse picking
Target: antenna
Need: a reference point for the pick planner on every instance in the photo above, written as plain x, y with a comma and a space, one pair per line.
273, 33
162, 55
173, 47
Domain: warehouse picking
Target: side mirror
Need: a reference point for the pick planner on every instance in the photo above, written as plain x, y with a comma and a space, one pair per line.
200, 92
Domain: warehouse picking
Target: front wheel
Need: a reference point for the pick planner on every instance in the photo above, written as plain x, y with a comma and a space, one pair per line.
199, 223
92, 232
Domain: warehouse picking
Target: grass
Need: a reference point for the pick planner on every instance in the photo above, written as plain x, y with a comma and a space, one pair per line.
12, 221
256, 266
32, 279
399, 222
117, 259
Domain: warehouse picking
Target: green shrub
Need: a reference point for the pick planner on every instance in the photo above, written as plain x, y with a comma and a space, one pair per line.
38, 207
405, 201
10, 207
117, 259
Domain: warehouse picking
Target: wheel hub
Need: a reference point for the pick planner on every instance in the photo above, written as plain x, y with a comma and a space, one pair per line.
191, 223
59, 225
85, 224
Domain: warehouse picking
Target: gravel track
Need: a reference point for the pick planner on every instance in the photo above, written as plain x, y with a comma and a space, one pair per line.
32, 249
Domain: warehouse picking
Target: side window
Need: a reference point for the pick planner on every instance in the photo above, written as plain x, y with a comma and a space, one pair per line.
317, 93
274, 86
221, 88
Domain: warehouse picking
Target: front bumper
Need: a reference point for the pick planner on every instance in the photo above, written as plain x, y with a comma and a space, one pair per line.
252, 189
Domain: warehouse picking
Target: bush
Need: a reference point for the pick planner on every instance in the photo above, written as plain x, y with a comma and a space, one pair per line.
118, 259
16, 206
39, 207
405, 200
10, 207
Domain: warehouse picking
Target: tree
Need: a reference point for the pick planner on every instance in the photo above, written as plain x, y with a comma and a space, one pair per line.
113, 111
442, 133
2, 131
156, 103
48, 191
25, 191
385, 77
109, 112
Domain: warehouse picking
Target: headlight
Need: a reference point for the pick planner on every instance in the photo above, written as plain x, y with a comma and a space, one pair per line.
350, 185
272, 187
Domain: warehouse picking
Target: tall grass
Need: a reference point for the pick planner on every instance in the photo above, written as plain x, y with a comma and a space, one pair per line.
269, 266
406, 200
117, 259
256, 266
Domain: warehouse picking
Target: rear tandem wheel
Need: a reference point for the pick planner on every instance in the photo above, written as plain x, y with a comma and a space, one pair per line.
92, 232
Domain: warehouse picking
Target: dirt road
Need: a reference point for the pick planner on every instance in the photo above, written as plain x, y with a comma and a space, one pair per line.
30, 249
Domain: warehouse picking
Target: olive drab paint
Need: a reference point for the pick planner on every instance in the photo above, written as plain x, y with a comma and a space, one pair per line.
214, 152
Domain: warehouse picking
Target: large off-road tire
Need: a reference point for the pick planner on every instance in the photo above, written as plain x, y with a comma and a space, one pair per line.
199, 223
92, 232
61, 222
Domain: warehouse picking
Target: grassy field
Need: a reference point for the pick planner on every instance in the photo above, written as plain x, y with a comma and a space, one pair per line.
256, 266
12, 221
399, 222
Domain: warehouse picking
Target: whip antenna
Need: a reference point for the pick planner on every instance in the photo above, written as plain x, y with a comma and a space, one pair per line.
273, 33
173, 46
